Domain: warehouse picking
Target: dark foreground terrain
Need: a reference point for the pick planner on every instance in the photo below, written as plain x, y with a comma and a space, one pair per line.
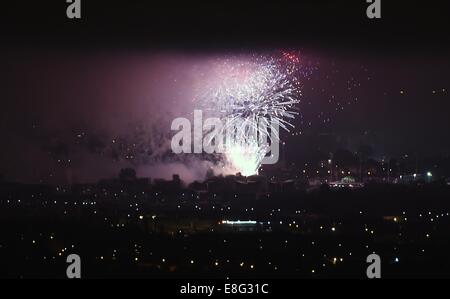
147, 234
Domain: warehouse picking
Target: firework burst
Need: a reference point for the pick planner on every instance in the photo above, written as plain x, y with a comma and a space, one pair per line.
254, 96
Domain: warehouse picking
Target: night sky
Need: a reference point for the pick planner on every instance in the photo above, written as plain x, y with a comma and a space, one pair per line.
73, 90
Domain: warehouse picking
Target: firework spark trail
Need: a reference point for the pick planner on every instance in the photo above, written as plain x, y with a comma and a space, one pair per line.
254, 96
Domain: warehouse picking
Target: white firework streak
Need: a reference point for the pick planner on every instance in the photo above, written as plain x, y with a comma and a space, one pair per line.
254, 97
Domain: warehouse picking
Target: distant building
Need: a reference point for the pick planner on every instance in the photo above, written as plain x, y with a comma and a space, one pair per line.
168, 187
241, 226
346, 182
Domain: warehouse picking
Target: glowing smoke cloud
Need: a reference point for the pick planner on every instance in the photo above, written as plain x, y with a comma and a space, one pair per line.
254, 96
